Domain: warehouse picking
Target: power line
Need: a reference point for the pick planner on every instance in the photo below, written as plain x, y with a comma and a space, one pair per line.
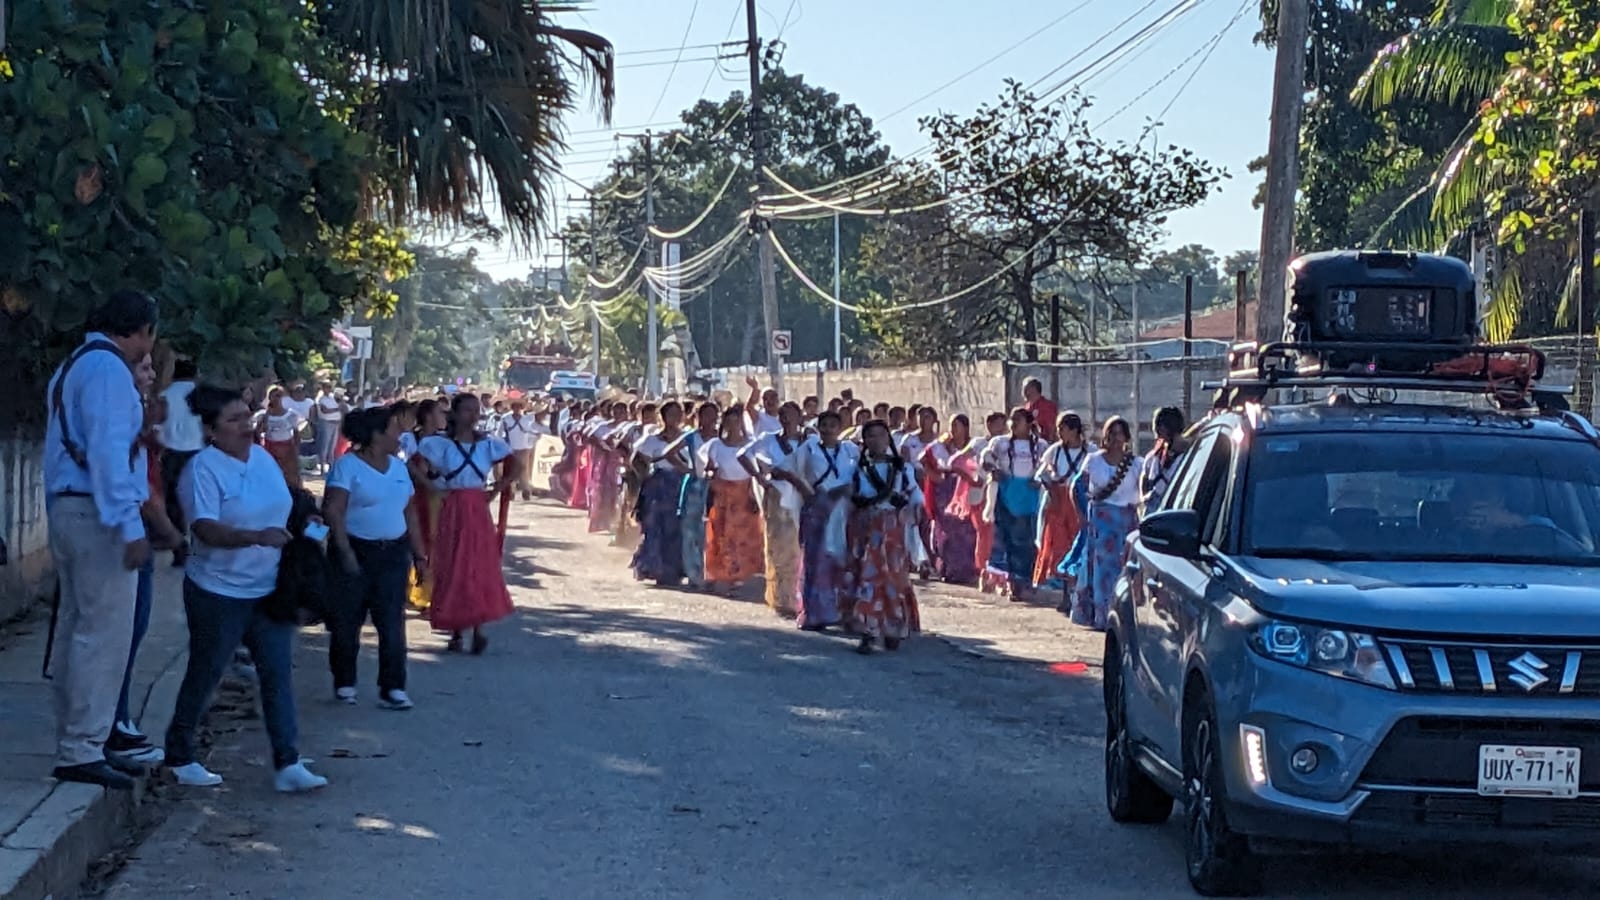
667, 82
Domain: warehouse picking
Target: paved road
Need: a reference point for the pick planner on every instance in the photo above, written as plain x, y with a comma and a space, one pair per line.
624, 741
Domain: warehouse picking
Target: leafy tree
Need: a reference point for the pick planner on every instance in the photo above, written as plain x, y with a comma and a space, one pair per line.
465, 98
1032, 188
818, 139
181, 152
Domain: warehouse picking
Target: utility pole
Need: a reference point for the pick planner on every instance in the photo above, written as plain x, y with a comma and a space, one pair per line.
1283, 165
594, 266
758, 154
838, 345
652, 380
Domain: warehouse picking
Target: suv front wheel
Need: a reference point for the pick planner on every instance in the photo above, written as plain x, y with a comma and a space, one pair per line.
1131, 796
1219, 860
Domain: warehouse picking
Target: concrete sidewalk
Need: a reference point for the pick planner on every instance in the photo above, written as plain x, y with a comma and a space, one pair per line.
50, 833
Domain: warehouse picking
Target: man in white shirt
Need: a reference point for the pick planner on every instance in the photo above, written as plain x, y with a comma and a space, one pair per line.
299, 401
762, 409
331, 408
521, 431
96, 482
181, 438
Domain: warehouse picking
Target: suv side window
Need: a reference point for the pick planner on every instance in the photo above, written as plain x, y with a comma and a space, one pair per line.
1186, 488
1215, 483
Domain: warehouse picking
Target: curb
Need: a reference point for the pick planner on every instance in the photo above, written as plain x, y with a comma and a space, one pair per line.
50, 852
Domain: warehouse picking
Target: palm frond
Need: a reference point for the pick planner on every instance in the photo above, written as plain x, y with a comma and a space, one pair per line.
1473, 12
1446, 206
1506, 305
1457, 64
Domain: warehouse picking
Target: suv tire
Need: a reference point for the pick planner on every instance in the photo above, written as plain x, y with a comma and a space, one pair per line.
1219, 860
1131, 796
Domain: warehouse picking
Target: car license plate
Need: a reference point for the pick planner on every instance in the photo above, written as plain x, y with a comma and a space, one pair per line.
1506, 770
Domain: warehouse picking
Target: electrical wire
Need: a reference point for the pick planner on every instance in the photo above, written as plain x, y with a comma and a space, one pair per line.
667, 82
1163, 21
626, 270
815, 202
721, 192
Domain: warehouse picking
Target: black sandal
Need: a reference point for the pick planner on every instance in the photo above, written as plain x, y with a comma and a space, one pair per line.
865, 647
453, 645
480, 643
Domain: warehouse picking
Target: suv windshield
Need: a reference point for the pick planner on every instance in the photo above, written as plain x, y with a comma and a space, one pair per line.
1423, 496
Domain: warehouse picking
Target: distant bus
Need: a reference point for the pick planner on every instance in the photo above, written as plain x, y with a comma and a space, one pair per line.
582, 385
533, 373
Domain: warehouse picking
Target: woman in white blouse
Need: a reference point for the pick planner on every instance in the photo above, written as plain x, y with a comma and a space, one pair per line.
1012, 462
279, 430
888, 503
660, 554
238, 505
734, 545
1111, 478
826, 464
770, 460
469, 587
1060, 518
375, 540
683, 455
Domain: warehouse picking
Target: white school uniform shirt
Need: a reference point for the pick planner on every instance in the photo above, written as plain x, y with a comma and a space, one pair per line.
827, 469
301, 407
1099, 474
521, 433
446, 457
1019, 457
328, 409
1060, 463
652, 446
378, 500
905, 485
765, 422
182, 431
911, 447
408, 445
722, 458
768, 450
282, 427
248, 495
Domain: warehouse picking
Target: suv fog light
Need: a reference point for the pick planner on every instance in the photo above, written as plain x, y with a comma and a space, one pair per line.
1255, 753
1304, 761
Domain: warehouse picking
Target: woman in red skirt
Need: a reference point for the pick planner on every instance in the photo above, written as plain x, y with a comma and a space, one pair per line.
469, 587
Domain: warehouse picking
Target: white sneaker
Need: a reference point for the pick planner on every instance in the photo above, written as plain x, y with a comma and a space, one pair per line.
297, 779
346, 695
396, 700
196, 775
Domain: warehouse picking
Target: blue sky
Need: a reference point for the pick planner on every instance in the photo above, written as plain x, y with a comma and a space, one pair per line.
884, 54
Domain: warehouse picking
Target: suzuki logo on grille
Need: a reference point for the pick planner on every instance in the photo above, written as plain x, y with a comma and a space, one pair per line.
1527, 672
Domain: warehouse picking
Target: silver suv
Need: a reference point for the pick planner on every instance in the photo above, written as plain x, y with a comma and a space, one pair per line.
1370, 623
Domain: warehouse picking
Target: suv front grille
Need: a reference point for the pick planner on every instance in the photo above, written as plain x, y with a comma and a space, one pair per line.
1520, 670
1442, 752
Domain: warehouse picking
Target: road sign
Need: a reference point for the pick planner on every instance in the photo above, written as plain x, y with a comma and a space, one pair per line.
363, 348
359, 331
782, 341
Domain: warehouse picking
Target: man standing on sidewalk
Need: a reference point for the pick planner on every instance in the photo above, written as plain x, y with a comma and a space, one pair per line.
96, 482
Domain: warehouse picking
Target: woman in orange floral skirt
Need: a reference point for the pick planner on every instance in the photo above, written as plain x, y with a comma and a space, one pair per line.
888, 502
735, 548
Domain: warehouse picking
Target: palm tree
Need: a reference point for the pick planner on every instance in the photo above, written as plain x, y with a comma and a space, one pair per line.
1461, 58
466, 98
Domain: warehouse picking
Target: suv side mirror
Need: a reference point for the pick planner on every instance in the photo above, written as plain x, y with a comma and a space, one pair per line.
1175, 532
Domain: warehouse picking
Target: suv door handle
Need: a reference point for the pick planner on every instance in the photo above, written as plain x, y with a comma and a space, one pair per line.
1133, 566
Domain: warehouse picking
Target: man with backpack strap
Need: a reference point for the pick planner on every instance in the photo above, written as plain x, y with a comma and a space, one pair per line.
96, 483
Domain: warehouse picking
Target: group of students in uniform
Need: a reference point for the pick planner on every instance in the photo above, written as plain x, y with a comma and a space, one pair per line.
839, 508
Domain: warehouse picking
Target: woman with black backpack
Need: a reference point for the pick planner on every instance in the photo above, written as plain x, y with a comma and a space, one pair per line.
237, 502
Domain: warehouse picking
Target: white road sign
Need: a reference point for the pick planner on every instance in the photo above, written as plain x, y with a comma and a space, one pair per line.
782, 342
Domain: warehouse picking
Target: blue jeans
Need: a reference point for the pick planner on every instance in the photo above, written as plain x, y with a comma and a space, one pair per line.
217, 626
143, 596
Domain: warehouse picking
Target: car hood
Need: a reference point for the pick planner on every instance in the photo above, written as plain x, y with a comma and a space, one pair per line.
1429, 598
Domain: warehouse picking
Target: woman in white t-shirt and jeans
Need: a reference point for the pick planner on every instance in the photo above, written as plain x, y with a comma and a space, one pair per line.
237, 504
374, 541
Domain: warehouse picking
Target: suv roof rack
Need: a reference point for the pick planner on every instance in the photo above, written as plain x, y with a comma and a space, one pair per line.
1509, 373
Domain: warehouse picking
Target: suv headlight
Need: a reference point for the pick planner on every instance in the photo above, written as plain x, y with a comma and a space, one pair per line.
1332, 651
